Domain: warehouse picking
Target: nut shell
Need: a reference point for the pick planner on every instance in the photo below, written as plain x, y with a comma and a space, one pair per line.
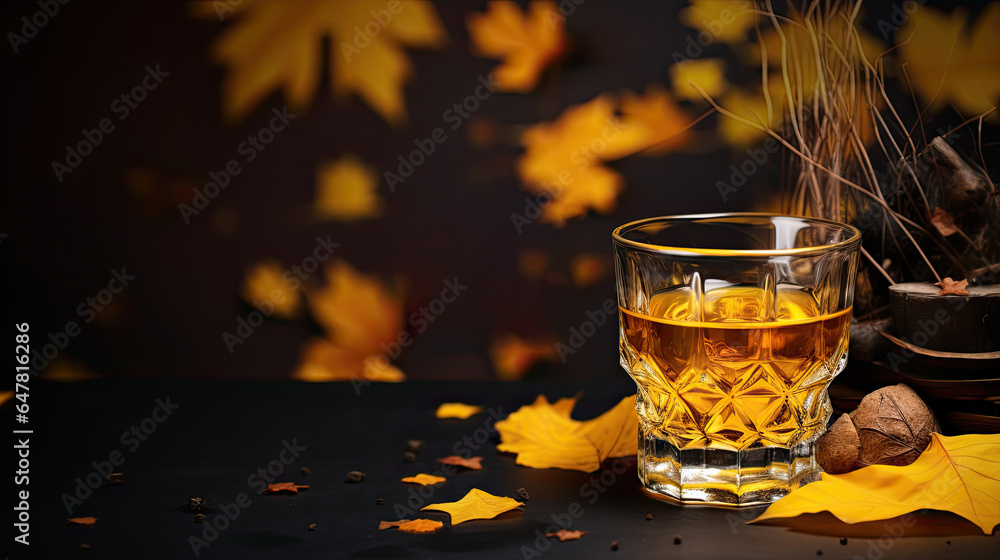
837, 450
894, 426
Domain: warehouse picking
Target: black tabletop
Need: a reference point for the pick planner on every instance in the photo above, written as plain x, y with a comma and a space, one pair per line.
216, 440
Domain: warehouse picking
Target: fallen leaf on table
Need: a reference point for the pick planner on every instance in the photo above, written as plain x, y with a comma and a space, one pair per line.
359, 315
276, 487
949, 59
564, 535
544, 436
474, 463
82, 520
346, 190
725, 20
424, 479
391, 524
277, 45
512, 356
707, 74
951, 287
265, 282
475, 505
420, 526
457, 410
959, 474
527, 43
562, 160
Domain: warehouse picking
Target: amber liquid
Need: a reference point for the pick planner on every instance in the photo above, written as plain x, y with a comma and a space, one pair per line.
747, 368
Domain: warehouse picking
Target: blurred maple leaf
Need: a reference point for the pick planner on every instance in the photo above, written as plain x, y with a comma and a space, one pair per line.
512, 356
586, 269
346, 190
526, 43
423, 479
722, 20
461, 411
359, 315
707, 74
472, 463
945, 63
264, 282
290, 487
562, 159
277, 45
414, 526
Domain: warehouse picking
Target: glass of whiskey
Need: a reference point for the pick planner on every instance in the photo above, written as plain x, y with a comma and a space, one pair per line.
732, 326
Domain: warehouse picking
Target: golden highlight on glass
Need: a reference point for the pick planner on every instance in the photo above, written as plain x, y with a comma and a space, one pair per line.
732, 326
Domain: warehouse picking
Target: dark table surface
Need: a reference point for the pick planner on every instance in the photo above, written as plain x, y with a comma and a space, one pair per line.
221, 433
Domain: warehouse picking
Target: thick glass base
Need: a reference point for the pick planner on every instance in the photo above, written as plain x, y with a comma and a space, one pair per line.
723, 477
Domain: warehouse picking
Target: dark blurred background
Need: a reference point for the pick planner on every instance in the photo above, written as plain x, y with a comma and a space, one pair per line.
452, 218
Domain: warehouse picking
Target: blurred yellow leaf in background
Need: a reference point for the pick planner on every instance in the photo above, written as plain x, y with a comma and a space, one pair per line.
346, 190
475, 505
562, 159
526, 42
948, 62
265, 282
359, 315
544, 436
586, 269
512, 356
960, 474
277, 45
726, 21
707, 74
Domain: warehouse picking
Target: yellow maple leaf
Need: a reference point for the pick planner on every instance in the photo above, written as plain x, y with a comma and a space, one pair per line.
346, 190
359, 315
960, 474
512, 356
586, 269
545, 436
457, 410
562, 159
707, 74
526, 43
475, 505
323, 361
726, 21
356, 310
420, 526
424, 479
276, 45
265, 282
946, 63
752, 106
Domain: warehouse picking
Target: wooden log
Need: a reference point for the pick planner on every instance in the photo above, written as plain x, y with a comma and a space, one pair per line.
947, 323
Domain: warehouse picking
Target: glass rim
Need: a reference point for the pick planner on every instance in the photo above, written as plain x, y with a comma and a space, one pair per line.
616, 235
